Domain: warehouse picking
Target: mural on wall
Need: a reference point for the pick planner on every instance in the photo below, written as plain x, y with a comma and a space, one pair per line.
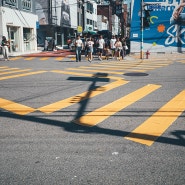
166, 31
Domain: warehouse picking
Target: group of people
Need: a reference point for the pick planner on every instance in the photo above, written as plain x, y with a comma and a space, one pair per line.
116, 47
5, 44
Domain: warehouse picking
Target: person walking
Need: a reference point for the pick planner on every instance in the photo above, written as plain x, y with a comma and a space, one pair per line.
90, 44
79, 46
101, 43
5, 44
119, 47
112, 45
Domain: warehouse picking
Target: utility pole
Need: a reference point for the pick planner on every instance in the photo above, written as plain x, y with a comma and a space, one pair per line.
142, 29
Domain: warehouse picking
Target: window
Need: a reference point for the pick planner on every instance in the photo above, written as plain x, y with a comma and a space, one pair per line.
11, 2
26, 4
89, 7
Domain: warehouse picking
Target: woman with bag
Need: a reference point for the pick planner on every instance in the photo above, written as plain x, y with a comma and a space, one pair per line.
5, 44
119, 47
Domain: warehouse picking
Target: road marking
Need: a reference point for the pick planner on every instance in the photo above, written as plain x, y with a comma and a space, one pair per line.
20, 75
29, 58
156, 125
91, 70
100, 114
15, 71
84, 74
15, 58
44, 58
80, 97
2, 67
59, 58
15, 107
8, 69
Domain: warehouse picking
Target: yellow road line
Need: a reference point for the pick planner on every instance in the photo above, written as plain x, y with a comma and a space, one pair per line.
15, 71
156, 125
100, 114
88, 70
8, 69
84, 74
15, 58
15, 107
29, 58
19, 75
59, 58
2, 67
44, 58
79, 97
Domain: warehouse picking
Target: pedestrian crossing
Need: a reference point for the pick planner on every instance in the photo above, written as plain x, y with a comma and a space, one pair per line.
146, 133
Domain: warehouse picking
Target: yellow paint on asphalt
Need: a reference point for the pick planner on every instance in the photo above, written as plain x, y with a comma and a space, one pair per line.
59, 58
102, 113
79, 97
15, 107
15, 71
20, 75
97, 71
2, 67
85, 74
29, 58
156, 125
15, 58
8, 69
44, 58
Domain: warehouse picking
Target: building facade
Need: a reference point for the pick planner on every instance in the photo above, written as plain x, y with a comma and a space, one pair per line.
18, 22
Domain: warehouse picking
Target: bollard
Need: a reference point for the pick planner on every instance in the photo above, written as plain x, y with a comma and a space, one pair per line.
147, 54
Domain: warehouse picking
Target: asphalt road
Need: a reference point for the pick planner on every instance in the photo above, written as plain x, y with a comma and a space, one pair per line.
99, 123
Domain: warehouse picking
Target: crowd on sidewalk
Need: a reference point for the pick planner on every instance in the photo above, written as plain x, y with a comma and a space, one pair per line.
116, 48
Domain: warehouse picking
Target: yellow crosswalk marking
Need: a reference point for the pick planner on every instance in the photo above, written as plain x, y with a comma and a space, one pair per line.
100, 114
75, 99
155, 126
91, 70
59, 58
15, 107
44, 58
15, 71
20, 75
29, 58
84, 74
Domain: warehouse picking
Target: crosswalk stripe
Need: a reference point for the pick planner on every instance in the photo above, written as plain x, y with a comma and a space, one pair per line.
59, 58
15, 107
29, 58
102, 113
77, 98
156, 125
83, 74
15, 58
44, 58
20, 75
8, 69
15, 71
91, 70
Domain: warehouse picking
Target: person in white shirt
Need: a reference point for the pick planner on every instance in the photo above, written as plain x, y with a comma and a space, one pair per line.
101, 46
79, 46
112, 45
90, 44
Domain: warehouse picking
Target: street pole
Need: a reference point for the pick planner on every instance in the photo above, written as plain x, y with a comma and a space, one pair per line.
142, 30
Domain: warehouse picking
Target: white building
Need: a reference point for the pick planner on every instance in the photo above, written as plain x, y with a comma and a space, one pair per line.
18, 23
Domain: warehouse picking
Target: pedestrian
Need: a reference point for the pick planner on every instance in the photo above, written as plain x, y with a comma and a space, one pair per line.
119, 47
5, 48
46, 45
101, 46
90, 44
112, 45
79, 46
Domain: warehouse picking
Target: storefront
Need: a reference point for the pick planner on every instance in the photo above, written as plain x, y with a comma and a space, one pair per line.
20, 29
